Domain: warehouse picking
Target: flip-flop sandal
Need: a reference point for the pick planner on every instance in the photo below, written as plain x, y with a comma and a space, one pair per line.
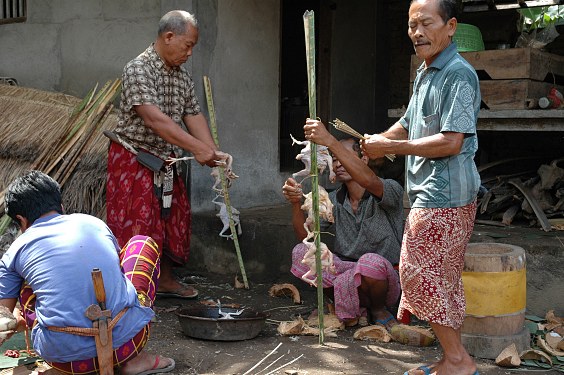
155, 370
178, 293
384, 322
426, 370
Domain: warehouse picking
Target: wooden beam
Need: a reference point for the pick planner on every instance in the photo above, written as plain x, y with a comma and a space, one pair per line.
481, 6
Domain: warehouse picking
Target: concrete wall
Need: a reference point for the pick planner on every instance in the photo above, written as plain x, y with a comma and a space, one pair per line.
239, 51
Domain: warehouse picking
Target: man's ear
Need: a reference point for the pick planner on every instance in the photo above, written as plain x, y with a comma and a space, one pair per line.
452, 26
24, 223
365, 159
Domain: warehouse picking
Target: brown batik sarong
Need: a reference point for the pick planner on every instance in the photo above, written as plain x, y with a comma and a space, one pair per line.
431, 263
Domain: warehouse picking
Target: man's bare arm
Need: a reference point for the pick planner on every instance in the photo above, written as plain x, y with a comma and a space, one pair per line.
164, 127
197, 125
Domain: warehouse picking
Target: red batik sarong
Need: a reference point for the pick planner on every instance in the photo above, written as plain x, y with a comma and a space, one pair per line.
133, 207
346, 280
140, 263
431, 263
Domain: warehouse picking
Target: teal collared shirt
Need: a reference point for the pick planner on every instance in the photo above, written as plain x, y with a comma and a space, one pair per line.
446, 98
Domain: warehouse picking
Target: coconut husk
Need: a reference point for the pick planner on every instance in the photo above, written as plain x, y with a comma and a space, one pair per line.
237, 284
536, 355
314, 331
285, 290
373, 332
299, 327
290, 328
547, 348
509, 357
330, 321
553, 321
412, 335
559, 330
555, 341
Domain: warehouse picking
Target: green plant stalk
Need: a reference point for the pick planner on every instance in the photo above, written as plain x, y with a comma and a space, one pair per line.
309, 28
213, 127
5, 221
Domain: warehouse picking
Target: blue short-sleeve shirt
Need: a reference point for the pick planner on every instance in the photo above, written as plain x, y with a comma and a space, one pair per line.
446, 98
55, 257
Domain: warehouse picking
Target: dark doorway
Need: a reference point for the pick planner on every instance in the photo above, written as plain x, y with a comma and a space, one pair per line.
294, 108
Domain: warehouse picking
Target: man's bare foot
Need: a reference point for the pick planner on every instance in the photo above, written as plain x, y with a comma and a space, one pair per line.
145, 363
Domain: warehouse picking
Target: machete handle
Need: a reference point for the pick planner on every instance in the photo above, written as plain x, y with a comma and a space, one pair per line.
99, 287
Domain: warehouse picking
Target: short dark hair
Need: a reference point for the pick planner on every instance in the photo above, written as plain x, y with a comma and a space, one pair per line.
33, 195
447, 9
176, 21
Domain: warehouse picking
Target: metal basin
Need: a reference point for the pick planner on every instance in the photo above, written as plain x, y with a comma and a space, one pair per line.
204, 322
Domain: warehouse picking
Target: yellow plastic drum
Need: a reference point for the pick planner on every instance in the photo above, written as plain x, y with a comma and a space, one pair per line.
495, 286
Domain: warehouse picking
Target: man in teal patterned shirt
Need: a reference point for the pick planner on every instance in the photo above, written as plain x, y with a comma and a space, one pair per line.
438, 136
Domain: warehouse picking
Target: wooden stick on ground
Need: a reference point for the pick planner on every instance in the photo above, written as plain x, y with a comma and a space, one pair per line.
224, 187
285, 364
262, 360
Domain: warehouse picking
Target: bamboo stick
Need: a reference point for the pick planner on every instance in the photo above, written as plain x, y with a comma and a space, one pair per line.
309, 28
213, 127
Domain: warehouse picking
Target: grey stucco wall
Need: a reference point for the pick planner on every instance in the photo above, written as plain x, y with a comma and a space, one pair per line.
70, 45
242, 60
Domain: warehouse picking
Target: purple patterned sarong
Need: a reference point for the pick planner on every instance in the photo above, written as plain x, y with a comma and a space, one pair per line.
348, 277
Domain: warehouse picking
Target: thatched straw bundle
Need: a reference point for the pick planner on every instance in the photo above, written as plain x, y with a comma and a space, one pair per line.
62, 136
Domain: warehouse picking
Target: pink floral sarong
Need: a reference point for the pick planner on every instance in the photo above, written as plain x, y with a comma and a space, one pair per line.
431, 263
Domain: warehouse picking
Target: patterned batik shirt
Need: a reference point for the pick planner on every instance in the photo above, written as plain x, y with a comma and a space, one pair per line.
446, 98
146, 80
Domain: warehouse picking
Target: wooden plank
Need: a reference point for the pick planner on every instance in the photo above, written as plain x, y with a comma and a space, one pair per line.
512, 63
513, 93
511, 120
481, 6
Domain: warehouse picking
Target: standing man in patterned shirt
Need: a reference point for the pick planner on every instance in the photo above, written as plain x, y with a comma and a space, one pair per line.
147, 196
438, 135
368, 213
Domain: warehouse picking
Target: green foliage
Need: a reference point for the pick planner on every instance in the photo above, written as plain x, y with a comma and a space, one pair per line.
540, 17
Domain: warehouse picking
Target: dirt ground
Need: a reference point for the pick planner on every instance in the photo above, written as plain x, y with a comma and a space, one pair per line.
340, 355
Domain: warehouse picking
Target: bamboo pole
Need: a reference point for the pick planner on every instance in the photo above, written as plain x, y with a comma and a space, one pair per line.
213, 127
309, 28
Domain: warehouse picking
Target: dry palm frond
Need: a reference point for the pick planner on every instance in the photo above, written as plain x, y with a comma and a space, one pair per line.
345, 128
60, 135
